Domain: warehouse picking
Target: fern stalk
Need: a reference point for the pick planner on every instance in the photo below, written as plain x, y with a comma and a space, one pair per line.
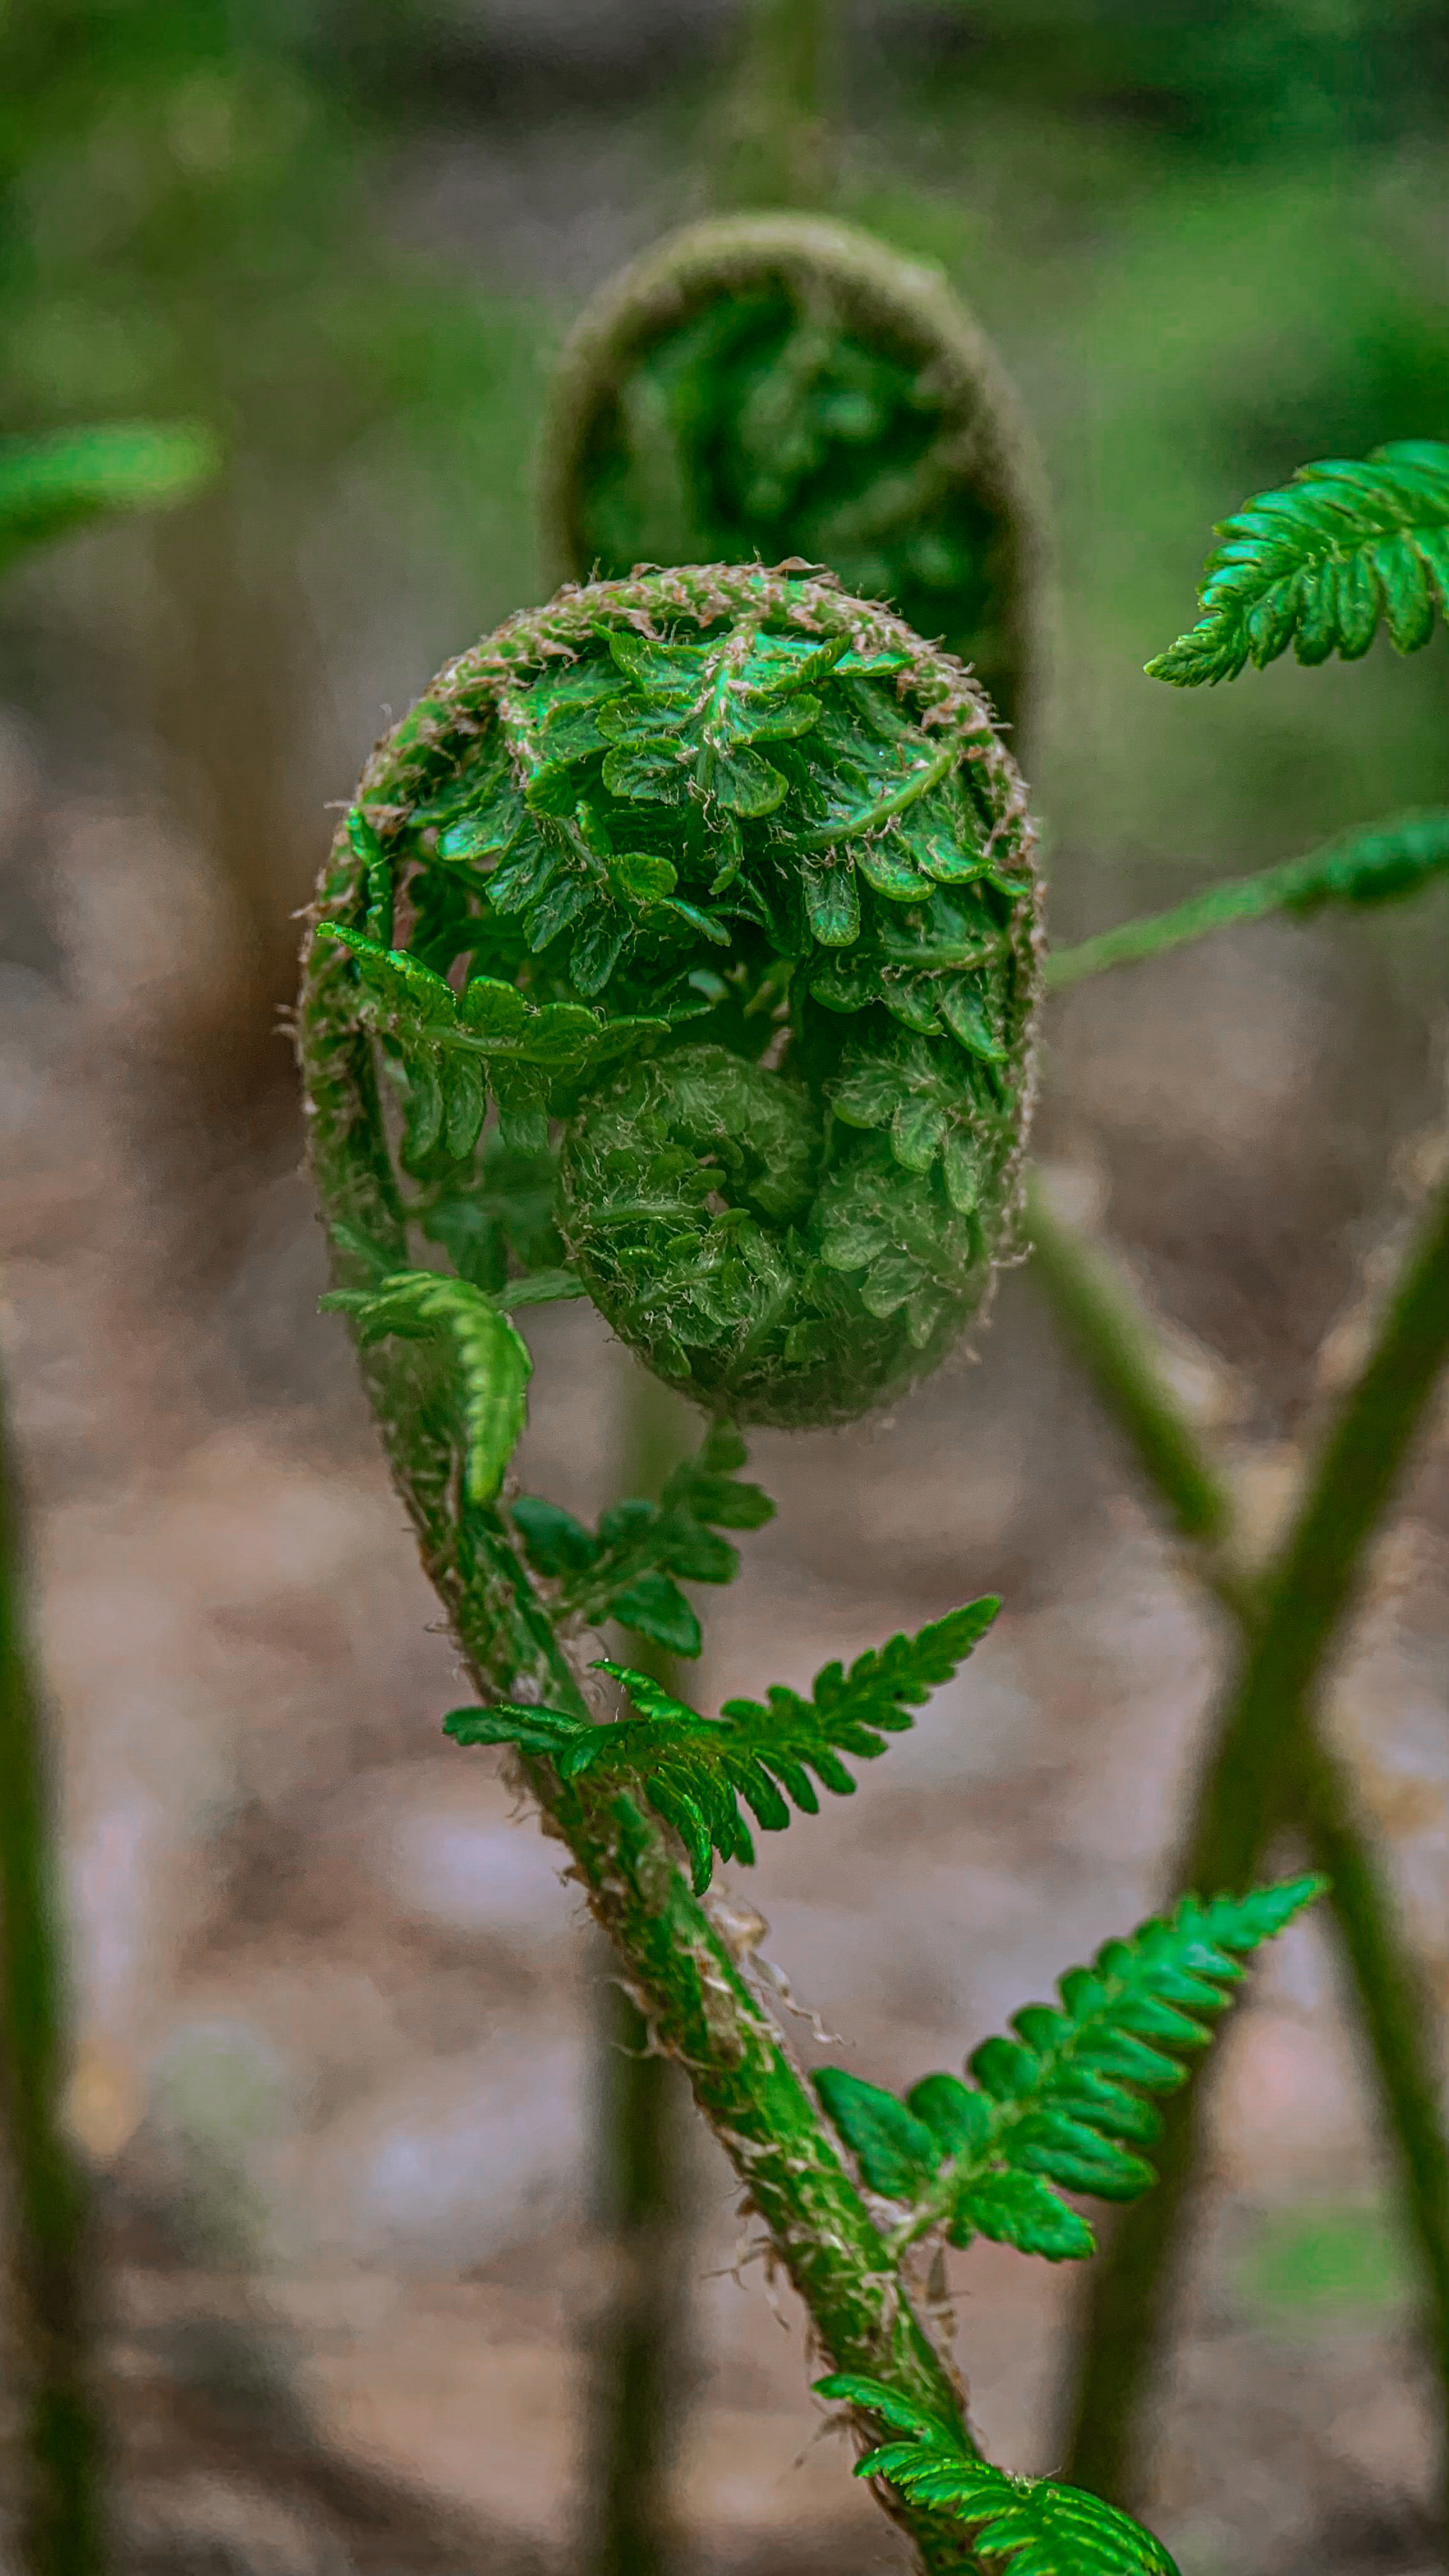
1268, 1767
780, 148
62, 2516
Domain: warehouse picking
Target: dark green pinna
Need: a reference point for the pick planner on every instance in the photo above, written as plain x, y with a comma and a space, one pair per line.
718, 883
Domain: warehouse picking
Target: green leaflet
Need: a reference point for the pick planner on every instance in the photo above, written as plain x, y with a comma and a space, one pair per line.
631, 1569
456, 1049
492, 1360
694, 1771
1385, 863
1318, 563
1031, 2526
71, 477
1055, 2106
505, 1210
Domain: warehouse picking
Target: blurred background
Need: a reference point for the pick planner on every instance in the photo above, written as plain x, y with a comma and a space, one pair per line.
336, 2007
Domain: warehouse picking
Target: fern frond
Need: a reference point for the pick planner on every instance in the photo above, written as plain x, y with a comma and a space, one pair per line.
493, 1361
1318, 562
694, 1770
1033, 2526
457, 1048
1052, 2106
1384, 863
51, 485
631, 1569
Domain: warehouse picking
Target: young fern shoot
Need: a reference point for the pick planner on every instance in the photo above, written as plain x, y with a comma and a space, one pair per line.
784, 385
715, 889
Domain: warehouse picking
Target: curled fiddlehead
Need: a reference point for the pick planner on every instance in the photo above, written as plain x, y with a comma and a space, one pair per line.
718, 883
780, 384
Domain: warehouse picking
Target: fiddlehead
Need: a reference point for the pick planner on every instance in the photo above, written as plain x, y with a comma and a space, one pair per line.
783, 385
723, 879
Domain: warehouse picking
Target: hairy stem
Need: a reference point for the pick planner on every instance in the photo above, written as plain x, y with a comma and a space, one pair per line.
1267, 1767
675, 1961
62, 2515
780, 147
640, 2347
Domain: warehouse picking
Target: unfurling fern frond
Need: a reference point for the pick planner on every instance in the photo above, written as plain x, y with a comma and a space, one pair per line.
632, 1568
779, 384
1031, 2526
1319, 562
1382, 864
694, 1770
493, 1363
1051, 2107
727, 875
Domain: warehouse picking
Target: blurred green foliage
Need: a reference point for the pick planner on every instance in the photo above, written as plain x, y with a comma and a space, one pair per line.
1317, 2267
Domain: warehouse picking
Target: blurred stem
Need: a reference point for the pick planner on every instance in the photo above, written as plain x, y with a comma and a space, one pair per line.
642, 2199
779, 147
61, 2519
1221, 907
1266, 1768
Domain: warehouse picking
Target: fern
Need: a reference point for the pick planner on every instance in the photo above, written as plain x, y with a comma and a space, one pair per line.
694, 1771
777, 385
1052, 2106
1033, 2526
1317, 563
631, 1570
493, 1360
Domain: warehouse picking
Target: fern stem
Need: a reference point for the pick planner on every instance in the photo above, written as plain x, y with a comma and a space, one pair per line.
780, 147
1219, 907
640, 2356
62, 2515
1383, 863
678, 1966
1267, 1768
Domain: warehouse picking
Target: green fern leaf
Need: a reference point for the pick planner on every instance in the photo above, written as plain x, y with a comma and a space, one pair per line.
457, 1048
1059, 2106
1319, 562
1031, 2526
493, 1361
631, 1570
694, 1771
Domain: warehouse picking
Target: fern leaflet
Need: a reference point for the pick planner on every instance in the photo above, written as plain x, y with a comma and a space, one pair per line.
493, 1360
1051, 2107
694, 1770
457, 1048
1318, 562
632, 1569
1032, 2526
